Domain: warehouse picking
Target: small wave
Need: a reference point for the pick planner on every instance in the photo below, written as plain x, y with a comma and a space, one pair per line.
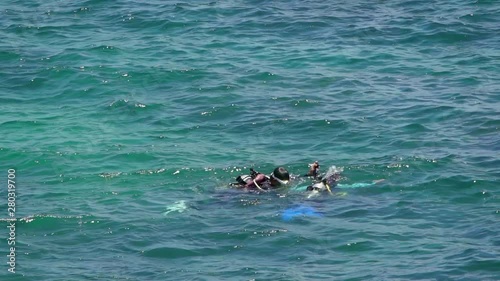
125, 103
32, 218
110, 175
109, 49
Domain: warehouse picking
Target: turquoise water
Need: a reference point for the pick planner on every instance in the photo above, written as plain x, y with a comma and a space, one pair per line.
126, 120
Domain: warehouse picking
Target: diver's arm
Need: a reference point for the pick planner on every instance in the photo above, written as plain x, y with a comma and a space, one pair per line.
256, 182
313, 169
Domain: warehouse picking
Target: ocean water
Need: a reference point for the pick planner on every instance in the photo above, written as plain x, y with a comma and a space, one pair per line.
126, 120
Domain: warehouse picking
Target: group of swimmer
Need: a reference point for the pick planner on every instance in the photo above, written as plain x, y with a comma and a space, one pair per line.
280, 177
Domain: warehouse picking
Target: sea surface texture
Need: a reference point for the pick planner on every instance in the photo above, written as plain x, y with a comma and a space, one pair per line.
125, 121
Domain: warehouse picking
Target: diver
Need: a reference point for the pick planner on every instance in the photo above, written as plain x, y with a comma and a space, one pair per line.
329, 180
322, 182
258, 181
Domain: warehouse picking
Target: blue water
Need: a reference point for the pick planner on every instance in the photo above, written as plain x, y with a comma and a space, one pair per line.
125, 121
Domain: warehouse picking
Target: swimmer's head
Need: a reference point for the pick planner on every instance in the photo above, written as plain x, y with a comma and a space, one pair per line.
280, 176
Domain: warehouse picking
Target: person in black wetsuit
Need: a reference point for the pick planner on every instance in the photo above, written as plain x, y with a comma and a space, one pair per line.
323, 182
280, 177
